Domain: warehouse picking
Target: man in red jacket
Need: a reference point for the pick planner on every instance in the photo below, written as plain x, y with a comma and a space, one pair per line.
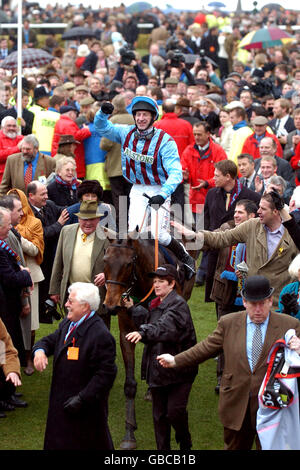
198, 164
198, 169
9, 141
66, 125
251, 144
182, 133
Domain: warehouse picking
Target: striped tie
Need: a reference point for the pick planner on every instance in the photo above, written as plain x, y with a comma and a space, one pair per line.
28, 175
256, 345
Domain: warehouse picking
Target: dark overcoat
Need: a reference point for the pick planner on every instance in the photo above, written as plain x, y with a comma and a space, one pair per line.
13, 280
61, 195
92, 375
167, 327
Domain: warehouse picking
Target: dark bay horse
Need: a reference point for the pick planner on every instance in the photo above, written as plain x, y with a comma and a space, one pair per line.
126, 265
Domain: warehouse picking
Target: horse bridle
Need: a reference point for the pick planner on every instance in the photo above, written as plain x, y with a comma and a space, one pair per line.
133, 273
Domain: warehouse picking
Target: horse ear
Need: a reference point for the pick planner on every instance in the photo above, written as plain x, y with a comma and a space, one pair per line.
134, 234
110, 234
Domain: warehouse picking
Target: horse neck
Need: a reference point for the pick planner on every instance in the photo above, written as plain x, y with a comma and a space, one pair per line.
145, 252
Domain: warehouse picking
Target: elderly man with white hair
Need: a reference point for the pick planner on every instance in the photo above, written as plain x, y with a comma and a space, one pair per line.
83, 373
9, 141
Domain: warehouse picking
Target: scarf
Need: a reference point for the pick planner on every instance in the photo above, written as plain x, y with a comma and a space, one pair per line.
154, 303
204, 152
73, 185
239, 125
146, 135
237, 254
74, 325
240, 256
235, 192
228, 272
6, 247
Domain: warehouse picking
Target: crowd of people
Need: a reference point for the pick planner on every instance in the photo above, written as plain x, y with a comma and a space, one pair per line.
194, 128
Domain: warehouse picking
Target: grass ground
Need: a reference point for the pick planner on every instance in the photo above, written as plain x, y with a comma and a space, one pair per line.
23, 429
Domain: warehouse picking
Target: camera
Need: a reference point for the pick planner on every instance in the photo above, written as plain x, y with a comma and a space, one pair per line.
176, 58
51, 311
203, 61
126, 55
261, 87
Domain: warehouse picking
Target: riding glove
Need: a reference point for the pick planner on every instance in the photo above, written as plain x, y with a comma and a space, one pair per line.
107, 107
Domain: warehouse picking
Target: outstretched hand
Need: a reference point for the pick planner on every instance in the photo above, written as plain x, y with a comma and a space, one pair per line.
182, 229
166, 360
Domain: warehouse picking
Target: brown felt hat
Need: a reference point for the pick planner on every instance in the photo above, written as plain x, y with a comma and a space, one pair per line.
89, 210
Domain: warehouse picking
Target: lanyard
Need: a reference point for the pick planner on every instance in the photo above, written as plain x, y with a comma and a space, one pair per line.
73, 328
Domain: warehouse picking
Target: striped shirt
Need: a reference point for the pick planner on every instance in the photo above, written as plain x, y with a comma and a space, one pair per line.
152, 161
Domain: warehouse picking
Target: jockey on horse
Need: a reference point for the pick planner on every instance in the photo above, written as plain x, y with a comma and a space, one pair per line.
150, 161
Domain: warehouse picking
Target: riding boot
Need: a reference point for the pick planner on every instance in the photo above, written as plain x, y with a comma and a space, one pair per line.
189, 263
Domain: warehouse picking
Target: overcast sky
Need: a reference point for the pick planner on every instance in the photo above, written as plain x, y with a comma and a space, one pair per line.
188, 4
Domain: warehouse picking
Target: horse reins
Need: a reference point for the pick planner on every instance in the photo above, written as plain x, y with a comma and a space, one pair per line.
155, 251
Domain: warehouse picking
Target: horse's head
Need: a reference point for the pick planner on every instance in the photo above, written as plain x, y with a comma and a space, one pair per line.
119, 268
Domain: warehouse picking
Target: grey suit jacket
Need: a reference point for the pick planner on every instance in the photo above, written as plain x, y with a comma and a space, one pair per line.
252, 185
59, 282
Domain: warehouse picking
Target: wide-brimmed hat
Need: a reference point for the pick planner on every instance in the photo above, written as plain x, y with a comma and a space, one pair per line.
67, 139
165, 270
257, 288
89, 210
83, 50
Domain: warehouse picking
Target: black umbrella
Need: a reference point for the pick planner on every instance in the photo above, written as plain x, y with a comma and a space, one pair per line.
273, 6
79, 33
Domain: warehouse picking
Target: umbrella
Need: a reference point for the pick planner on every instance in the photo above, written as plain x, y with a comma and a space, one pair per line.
200, 18
216, 5
79, 32
264, 38
272, 6
138, 7
30, 58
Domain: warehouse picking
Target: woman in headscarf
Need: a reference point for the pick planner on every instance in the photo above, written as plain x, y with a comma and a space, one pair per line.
32, 241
